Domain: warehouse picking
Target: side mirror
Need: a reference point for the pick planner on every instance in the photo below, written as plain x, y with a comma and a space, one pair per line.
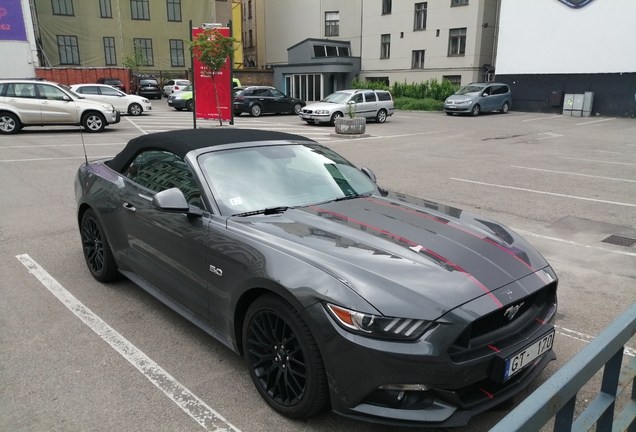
369, 174
173, 201
484, 94
66, 98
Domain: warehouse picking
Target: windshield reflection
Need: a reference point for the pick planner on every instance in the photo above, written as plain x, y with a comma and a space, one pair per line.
257, 178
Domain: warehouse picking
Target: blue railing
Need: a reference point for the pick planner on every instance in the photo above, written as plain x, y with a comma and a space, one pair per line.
557, 396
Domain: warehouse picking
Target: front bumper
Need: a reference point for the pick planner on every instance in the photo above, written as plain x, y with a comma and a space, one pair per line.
458, 108
177, 103
316, 118
113, 117
460, 384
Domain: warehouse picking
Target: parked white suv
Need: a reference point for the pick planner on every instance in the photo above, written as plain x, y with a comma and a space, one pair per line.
124, 103
42, 103
372, 104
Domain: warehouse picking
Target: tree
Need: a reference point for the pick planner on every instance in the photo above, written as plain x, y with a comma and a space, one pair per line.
136, 60
213, 49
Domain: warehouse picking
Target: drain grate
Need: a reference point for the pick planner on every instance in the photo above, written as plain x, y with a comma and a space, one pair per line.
620, 241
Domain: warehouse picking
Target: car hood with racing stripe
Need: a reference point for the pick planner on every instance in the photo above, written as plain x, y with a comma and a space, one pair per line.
407, 256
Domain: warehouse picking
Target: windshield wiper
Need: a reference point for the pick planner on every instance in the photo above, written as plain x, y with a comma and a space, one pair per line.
267, 211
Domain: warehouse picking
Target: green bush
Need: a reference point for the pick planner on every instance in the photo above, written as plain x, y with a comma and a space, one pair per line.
413, 104
428, 95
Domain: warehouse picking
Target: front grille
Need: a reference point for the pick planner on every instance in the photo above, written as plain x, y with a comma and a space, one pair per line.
497, 326
307, 111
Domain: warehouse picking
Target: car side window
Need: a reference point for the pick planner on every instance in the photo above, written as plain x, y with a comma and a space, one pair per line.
277, 93
260, 92
170, 83
50, 92
357, 98
486, 91
108, 91
21, 90
384, 96
160, 170
502, 89
370, 96
89, 90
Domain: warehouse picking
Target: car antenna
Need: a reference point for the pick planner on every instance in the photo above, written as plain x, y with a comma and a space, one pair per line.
83, 144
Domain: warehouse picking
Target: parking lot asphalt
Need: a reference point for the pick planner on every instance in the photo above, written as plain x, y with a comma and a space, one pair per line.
79, 355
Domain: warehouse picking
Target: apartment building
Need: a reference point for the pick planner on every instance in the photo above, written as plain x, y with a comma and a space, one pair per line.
97, 33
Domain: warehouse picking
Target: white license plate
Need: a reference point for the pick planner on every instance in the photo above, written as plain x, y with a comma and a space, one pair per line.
524, 358
306, 116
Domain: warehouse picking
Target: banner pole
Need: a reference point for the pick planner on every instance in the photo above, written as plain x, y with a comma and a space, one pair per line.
194, 93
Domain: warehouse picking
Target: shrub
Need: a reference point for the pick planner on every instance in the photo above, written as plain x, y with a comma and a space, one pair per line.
429, 95
413, 104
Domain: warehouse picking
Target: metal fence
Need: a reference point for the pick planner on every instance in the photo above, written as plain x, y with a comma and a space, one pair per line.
557, 396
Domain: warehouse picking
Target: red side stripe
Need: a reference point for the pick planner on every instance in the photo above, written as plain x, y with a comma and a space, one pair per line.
494, 348
487, 394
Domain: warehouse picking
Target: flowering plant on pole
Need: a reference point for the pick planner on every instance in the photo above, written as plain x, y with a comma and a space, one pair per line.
213, 49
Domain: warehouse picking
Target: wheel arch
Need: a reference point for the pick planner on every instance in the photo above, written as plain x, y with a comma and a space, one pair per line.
14, 112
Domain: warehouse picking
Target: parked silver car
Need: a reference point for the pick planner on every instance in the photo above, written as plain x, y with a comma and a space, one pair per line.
477, 97
42, 103
372, 104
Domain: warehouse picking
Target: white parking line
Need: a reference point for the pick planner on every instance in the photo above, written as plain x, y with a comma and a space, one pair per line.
595, 121
545, 193
542, 118
596, 161
59, 145
574, 174
550, 135
53, 159
135, 125
570, 242
180, 395
587, 339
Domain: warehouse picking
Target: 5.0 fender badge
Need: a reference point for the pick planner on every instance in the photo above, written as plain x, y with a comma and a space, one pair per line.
216, 271
576, 3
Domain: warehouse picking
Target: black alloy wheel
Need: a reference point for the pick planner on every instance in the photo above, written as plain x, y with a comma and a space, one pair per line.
283, 358
97, 253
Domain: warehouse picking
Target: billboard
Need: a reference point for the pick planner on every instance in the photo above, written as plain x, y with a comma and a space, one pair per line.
204, 97
12, 21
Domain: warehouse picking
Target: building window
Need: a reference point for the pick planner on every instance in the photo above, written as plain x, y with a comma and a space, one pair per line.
418, 59
251, 39
177, 57
331, 51
332, 23
69, 50
139, 10
145, 47
386, 7
385, 46
457, 42
249, 9
420, 16
306, 87
459, 3
174, 10
63, 7
105, 10
109, 51
454, 79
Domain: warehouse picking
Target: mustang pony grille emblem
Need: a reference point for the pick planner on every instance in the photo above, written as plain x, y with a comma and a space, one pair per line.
576, 3
512, 311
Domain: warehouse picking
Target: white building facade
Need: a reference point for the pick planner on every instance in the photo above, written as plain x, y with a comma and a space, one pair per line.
17, 41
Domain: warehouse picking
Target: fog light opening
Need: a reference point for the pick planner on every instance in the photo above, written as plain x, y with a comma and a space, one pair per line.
402, 396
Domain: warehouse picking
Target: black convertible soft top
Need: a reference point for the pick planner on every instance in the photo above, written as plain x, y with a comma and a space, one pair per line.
180, 142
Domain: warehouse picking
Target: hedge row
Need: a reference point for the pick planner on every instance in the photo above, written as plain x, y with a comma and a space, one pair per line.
428, 95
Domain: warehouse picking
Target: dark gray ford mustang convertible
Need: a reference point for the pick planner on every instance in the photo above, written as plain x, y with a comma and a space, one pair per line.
388, 308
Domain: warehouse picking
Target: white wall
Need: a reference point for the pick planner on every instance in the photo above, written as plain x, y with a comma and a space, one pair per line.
19, 59
548, 37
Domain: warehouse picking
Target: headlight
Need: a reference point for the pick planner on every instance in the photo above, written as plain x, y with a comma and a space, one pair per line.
321, 112
177, 97
464, 102
108, 107
145, 101
379, 326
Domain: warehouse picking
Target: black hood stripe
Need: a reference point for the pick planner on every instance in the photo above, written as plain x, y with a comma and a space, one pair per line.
418, 249
455, 225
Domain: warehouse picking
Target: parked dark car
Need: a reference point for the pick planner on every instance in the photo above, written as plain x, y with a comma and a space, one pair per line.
257, 100
383, 306
113, 82
149, 87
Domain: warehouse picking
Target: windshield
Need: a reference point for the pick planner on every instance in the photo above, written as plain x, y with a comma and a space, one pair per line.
257, 178
469, 89
147, 82
338, 97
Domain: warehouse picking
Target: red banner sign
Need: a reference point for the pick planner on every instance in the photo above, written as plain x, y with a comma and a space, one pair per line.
204, 98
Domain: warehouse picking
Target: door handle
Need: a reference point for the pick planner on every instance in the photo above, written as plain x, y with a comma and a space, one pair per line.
129, 207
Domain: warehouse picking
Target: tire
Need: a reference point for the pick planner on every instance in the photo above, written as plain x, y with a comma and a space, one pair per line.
335, 116
97, 253
505, 108
297, 109
255, 110
381, 116
476, 110
237, 113
179, 109
283, 358
448, 113
9, 123
134, 109
190, 105
93, 122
